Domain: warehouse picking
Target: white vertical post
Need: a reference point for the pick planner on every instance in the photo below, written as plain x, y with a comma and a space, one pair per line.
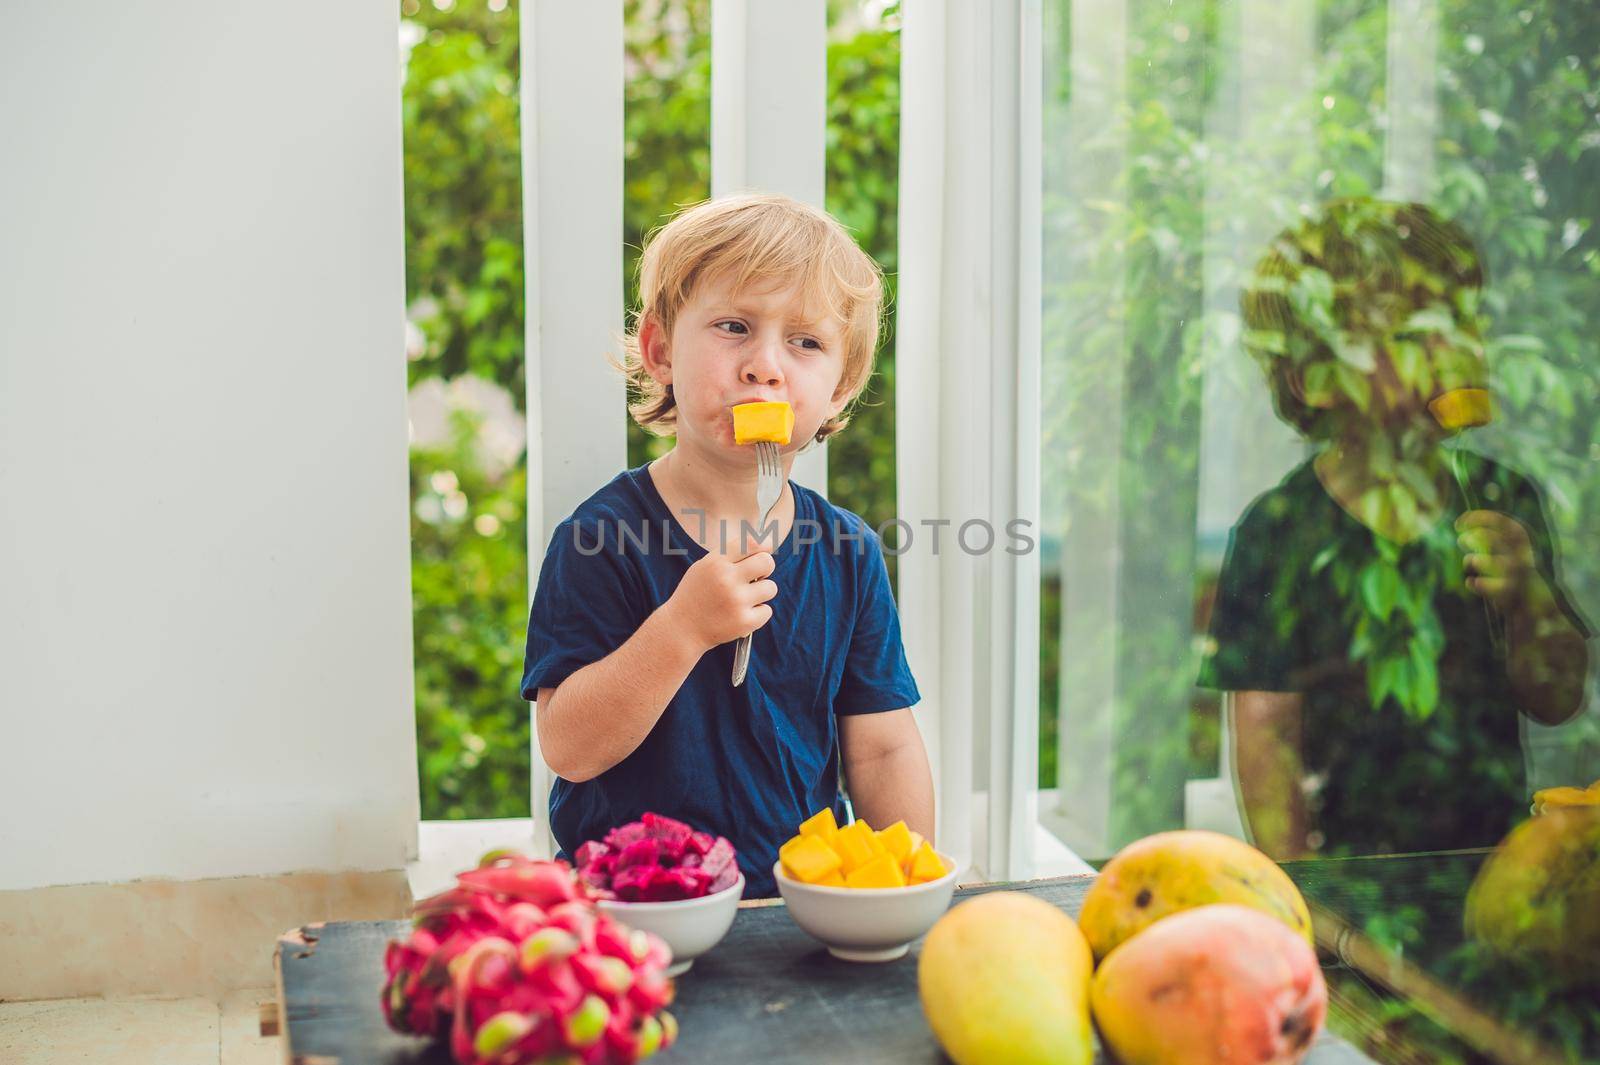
1096, 140
967, 415
769, 84
1015, 55
572, 134
918, 441
1412, 90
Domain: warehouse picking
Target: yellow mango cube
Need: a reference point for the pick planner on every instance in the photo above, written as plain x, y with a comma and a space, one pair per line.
823, 826
855, 846
880, 872
753, 422
896, 839
926, 865
916, 845
833, 879
1462, 408
808, 859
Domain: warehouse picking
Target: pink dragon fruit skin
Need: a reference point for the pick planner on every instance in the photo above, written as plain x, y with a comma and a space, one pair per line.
657, 859
515, 966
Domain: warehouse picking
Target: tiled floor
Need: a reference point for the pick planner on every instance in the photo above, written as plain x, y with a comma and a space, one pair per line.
138, 1031
197, 1031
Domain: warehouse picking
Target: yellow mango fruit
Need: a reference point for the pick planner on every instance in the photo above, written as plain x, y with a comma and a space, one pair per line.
1004, 978
880, 872
809, 859
896, 839
855, 846
833, 879
1537, 898
1558, 798
822, 825
1167, 872
753, 422
926, 865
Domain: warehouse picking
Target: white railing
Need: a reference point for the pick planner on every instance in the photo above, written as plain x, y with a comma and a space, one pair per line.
572, 224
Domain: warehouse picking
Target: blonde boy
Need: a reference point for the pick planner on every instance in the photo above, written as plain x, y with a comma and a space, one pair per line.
645, 588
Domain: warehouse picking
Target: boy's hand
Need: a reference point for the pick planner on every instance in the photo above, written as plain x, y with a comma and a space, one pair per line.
1498, 558
721, 599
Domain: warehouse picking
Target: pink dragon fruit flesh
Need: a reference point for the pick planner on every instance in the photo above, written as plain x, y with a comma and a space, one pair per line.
515, 965
656, 859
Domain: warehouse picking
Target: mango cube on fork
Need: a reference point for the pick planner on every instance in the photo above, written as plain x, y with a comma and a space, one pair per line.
758, 422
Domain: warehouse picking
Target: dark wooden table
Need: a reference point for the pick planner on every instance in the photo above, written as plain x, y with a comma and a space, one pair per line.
767, 993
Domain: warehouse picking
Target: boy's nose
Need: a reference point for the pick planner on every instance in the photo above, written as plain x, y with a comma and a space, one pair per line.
762, 368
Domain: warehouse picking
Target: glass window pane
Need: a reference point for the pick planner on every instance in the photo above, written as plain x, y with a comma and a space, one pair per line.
1320, 482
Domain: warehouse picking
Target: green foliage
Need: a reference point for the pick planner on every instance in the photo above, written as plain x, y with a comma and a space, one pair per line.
463, 192
464, 297
863, 193
469, 580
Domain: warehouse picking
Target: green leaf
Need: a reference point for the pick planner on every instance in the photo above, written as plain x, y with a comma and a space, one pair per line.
1425, 682
1380, 589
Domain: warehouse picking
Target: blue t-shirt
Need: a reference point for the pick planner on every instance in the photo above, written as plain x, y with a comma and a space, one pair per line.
752, 762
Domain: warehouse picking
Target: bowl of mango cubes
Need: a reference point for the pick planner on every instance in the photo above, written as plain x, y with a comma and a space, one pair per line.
865, 894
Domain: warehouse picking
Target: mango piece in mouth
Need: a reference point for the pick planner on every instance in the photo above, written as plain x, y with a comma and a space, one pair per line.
756, 422
1462, 408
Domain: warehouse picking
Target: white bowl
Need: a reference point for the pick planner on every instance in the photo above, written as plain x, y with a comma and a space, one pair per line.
867, 924
689, 926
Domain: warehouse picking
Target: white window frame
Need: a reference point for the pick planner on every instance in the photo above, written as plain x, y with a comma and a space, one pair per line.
967, 417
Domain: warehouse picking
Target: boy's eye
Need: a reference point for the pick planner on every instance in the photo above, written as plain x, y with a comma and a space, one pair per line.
736, 328
809, 343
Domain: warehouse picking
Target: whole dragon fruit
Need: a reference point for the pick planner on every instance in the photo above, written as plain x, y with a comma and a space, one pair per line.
515, 965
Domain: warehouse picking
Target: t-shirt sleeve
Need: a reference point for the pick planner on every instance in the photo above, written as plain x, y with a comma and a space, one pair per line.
585, 607
876, 674
1244, 651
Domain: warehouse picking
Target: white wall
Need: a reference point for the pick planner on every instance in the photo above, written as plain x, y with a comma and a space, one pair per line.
205, 635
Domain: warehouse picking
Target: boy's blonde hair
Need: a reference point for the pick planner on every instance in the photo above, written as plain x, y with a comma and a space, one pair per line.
755, 240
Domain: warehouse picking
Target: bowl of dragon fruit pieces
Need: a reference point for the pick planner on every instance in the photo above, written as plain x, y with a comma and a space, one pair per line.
515, 965
659, 875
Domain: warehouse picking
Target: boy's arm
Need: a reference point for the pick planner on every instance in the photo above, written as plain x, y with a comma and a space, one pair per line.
886, 769
1267, 735
597, 716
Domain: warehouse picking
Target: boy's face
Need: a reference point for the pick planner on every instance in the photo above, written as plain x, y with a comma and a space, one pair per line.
732, 347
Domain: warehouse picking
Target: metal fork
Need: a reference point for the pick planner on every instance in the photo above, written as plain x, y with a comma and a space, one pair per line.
769, 489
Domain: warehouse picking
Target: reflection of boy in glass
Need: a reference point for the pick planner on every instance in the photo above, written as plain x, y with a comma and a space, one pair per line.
1384, 613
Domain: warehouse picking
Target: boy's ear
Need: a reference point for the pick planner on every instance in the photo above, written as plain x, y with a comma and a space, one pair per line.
841, 399
654, 352
1295, 379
